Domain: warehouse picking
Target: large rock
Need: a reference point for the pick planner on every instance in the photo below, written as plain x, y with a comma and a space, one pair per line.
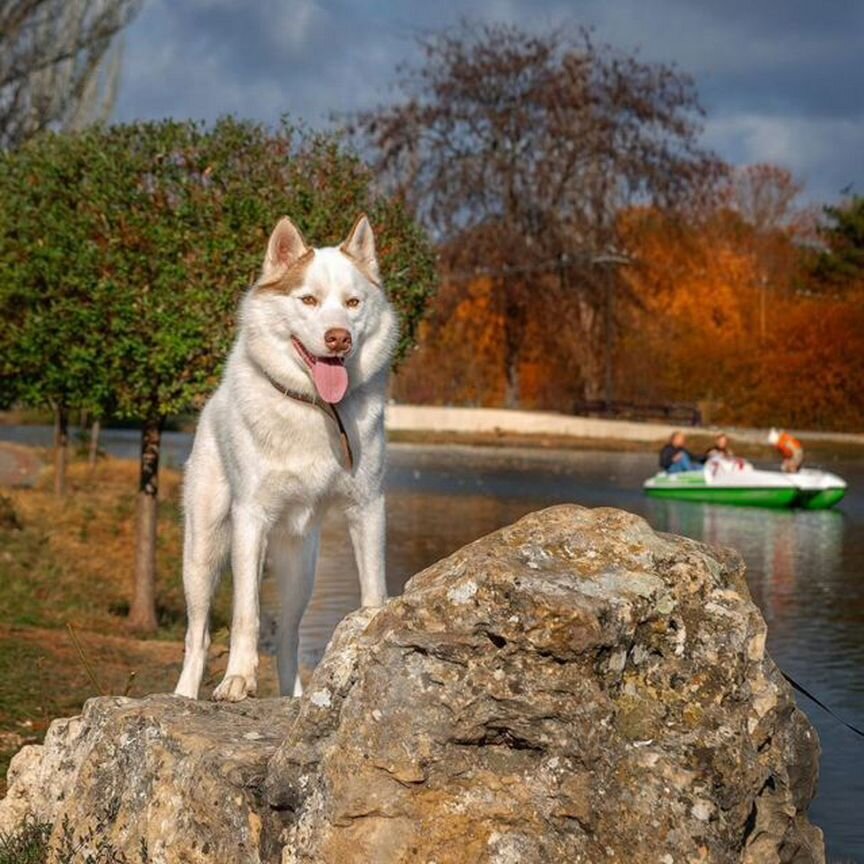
572, 688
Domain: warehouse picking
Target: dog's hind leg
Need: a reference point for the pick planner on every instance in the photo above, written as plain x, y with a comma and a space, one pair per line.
294, 560
248, 543
367, 527
205, 551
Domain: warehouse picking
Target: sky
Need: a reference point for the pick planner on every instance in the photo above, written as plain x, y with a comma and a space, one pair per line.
781, 80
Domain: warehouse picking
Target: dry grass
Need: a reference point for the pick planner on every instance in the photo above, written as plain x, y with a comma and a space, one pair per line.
71, 562
74, 558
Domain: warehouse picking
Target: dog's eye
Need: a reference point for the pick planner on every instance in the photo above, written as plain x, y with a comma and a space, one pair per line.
352, 302
309, 300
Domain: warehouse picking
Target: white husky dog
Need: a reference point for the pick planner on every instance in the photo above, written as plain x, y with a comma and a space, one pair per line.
296, 425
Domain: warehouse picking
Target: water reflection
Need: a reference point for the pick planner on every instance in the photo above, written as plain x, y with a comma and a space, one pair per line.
779, 546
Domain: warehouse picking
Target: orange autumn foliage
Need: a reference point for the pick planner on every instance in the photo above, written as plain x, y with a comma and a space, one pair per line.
695, 308
714, 311
460, 355
724, 318
810, 373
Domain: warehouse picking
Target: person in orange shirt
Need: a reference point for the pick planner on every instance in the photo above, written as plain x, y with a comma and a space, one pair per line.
790, 449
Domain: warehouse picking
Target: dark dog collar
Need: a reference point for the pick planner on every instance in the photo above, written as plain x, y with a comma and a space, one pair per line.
328, 408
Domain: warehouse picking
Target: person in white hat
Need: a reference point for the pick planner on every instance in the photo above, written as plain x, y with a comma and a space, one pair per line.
790, 448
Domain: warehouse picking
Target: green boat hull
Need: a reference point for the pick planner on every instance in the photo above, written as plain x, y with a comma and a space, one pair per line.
776, 498
820, 500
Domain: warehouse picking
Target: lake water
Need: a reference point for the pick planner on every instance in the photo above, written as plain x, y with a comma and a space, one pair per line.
805, 569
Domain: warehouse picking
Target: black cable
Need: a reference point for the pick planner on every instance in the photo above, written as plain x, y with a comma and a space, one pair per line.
822, 705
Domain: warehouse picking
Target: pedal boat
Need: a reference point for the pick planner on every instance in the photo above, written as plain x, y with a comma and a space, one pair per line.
735, 481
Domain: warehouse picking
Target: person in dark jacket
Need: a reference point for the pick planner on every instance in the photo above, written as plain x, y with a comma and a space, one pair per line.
675, 457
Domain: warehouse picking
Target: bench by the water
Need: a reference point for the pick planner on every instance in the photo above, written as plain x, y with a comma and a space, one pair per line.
677, 412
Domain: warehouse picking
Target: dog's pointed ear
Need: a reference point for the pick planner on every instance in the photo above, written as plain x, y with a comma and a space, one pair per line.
359, 246
284, 249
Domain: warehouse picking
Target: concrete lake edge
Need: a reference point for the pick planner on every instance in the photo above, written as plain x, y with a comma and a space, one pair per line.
505, 427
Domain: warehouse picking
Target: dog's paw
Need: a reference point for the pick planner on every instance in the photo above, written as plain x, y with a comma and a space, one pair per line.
234, 688
187, 692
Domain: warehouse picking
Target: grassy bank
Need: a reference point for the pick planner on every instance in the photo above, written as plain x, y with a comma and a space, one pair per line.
70, 565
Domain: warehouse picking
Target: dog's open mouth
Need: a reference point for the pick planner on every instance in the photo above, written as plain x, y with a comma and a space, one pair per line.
329, 374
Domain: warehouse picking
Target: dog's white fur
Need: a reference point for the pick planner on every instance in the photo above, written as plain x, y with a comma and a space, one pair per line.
264, 467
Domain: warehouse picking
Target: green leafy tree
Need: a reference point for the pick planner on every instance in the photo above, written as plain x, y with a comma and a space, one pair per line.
124, 252
841, 264
52, 343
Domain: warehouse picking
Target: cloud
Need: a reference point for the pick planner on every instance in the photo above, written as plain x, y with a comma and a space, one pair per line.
822, 151
780, 79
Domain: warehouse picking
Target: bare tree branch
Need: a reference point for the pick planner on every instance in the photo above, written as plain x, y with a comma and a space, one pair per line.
59, 62
520, 152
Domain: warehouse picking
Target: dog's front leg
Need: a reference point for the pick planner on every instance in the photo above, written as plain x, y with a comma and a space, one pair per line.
248, 538
367, 524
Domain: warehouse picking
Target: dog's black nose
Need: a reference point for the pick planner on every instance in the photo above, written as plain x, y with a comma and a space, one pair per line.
337, 340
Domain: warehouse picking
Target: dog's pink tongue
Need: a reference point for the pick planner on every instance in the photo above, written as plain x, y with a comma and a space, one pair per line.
331, 379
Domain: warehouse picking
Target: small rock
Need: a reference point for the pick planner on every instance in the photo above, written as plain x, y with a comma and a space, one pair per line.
702, 810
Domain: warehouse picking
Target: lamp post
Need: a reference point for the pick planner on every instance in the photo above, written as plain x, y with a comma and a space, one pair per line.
609, 260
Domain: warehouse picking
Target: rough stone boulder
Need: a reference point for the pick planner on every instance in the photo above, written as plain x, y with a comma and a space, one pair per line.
161, 779
572, 688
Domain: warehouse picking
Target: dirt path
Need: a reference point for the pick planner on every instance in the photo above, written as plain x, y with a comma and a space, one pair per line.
19, 466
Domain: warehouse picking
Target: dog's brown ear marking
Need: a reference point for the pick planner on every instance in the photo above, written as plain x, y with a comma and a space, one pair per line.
360, 248
286, 259
286, 244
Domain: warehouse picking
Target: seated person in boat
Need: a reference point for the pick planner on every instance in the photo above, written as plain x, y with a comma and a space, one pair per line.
675, 457
790, 448
720, 449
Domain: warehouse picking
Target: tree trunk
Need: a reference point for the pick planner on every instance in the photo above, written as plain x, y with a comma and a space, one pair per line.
608, 339
142, 614
511, 384
589, 331
513, 334
61, 448
95, 429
